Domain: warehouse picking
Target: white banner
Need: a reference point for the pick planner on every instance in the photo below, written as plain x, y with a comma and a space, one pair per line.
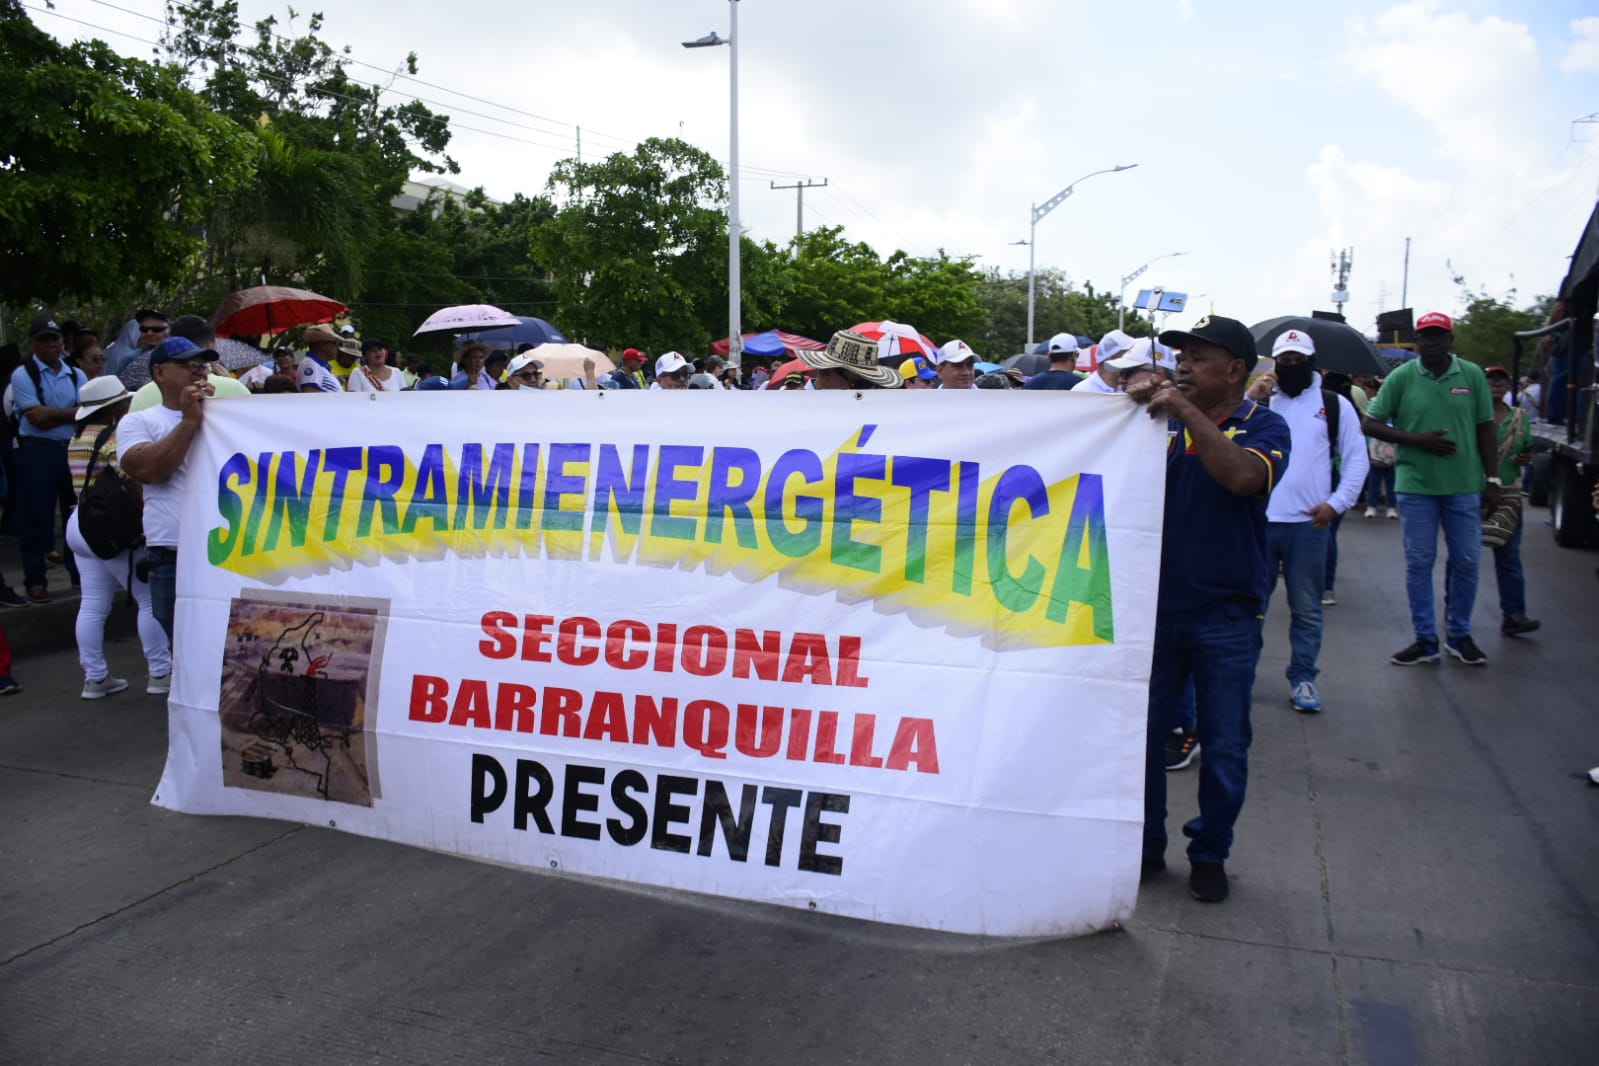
881, 655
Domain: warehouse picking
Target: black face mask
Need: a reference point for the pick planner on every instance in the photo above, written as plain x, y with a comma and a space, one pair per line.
1295, 378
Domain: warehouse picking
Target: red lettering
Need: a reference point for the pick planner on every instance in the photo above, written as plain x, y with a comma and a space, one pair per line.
704, 651
860, 746
501, 643
799, 733
665, 646
471, 704
607, 718
617, 652
566, 646
914, 743
758, 654
827, 737
849, 663
771, 726
659, 720
808, 660
705, 728
534, 637
428, 702
513, 708
560, 712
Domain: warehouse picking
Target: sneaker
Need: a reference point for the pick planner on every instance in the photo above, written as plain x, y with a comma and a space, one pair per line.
1371, 512
1207, 882
38, 594
1593, 775
1516, 625
106, 686
1328, 599
159, 686
1182, 744
9, 597
1420, 652
1465, 649
1305, 698
1393, 512
1150, 866
9, 687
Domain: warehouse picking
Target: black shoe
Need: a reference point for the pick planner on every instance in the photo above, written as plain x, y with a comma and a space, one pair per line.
1152, 865
1419, 652
1182, 744
1207, 882
1465, 649
1516, 625
10, 598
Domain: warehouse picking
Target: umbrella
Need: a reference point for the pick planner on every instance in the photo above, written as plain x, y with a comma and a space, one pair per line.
526, 331
272, 309
897, 341
772, 343
1339, 347
237, 355
1028, 363
986, 368
465, 318
793, 366
566, 360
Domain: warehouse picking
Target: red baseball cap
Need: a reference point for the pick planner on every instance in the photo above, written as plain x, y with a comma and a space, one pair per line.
1435, 320
632, 353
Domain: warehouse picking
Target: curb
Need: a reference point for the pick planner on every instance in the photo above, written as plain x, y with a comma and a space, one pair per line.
39, 629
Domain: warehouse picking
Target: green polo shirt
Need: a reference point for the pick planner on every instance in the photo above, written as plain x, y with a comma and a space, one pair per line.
1416, 402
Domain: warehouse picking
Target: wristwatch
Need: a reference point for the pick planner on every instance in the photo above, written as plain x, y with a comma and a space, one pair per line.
1496, 482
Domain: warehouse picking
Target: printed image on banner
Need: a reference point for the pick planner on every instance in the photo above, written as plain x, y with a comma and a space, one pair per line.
879, 656
296, 684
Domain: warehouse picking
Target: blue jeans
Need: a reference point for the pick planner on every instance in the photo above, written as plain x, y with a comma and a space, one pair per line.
1302, 551
42, 477
1507, 569
1460, 517
1380, 486
163, 564
1332, 551
1218, 647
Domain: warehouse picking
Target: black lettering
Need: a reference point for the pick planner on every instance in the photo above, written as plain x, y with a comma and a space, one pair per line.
533, 803
623, 785
719, 809
817, 831
782, 800
486, 769
574, 801
667, 812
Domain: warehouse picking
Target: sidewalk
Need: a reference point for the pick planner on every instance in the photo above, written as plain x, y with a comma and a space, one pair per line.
40, 628
1415, 880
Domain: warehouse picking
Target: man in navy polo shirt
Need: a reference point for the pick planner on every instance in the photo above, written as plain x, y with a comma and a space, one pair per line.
1224, 457
44, 391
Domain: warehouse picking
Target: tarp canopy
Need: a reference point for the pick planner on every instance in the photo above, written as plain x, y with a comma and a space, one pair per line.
770, 344
1580, 290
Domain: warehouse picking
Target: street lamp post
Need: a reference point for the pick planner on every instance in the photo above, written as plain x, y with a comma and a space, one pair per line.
1038, 212
1128, 279
735, 336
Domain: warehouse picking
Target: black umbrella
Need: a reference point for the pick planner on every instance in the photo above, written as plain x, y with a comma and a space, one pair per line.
1339, 347
1029, 363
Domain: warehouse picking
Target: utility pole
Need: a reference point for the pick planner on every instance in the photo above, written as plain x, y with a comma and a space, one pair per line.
1404, 291
799, 224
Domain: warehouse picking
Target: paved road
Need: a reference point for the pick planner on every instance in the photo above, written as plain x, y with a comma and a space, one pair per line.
1415, 880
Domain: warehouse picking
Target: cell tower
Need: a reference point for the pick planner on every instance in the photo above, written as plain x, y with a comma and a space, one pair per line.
1342, 262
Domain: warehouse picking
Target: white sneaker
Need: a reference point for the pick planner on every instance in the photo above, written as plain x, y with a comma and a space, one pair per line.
1393, 512
1371, 512
106, 686
159, 686
1328, 599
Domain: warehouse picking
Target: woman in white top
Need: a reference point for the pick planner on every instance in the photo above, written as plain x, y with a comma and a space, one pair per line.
375, 374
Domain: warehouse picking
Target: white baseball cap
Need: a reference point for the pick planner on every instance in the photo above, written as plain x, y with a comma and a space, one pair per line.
956, 351
670, 363
522, 362
1111, 345
1293, 340
1062, 343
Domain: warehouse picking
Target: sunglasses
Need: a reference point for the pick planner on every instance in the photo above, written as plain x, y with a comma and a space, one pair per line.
527, 375
191, 365
152, 329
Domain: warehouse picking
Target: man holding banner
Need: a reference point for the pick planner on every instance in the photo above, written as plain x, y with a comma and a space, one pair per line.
1225, 454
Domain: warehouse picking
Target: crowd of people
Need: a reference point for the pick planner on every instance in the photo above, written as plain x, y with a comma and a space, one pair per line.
1263, 465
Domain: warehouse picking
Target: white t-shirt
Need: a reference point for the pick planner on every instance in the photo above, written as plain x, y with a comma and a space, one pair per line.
256, 376
162, 499
315, 374
1093, 383
359, 382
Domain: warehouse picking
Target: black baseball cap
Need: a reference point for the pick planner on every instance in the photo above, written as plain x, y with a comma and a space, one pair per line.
43, 325
1227, 333
149, 312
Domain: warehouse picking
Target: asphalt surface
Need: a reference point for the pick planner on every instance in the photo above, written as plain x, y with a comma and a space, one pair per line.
1415, 881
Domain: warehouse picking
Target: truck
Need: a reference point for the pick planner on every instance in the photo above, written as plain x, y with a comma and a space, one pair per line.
1567, 438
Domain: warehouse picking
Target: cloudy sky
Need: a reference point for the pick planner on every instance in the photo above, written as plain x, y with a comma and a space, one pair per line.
1266, 134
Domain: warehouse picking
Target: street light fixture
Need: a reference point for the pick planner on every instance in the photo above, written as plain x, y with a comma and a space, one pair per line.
1038, 212
735, 337
1121, 301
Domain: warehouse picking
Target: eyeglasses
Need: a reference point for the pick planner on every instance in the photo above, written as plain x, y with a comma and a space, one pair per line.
153, 329
527, 375
191, 365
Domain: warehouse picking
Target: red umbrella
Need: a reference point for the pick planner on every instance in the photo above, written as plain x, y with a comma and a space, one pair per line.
897, 341
272, 309
793, 366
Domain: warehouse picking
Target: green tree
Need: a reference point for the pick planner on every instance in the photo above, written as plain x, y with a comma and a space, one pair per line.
939, 296
834, 284
1484, 332
88, 208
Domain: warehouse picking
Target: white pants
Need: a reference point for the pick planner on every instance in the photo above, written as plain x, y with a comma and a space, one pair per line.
101, 579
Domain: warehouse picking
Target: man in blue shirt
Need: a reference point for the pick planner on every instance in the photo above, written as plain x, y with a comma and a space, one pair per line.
44, 391
1224, 456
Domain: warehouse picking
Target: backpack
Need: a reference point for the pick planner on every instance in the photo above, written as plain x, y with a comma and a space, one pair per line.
14, 419
110, 512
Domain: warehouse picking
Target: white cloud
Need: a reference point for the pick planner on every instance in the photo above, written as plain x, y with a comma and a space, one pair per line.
1583, 52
